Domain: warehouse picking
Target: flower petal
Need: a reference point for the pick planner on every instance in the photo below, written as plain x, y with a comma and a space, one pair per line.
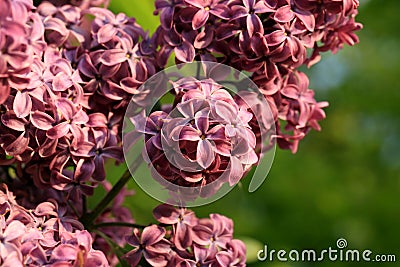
64, 252
84, 170
204, 38
42, 120
80, 117
205, 153
200, 18
66, 107
11, 121
61, 82
133, 257
113, 153
18, 146
152, 234
307, 18
4, 89
14, 230
167, 214
284, 14
254, 25
22, 104
185, 52
58, 131
99, 173
166, 17
235, 171
106, 33
186, 133
113, 57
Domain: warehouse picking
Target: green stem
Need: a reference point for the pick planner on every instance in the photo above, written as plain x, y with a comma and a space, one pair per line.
84, 204
88, 218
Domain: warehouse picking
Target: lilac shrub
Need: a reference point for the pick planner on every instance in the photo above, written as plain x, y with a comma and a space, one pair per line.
68, 71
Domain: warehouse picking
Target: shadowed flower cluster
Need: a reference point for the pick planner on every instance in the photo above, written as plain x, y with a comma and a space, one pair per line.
186, 240
270, 38
43, 236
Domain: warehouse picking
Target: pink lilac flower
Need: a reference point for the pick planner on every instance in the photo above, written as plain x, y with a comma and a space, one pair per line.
182, 220
55, 130
268, 38
205, 138
211, 240
205, 9
62, 63
53, 112
151, 244
36, 237
16, 53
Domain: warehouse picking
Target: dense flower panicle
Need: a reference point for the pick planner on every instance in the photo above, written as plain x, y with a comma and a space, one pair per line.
53, 111
205, 138
294, 106
18, 31
207, 241
61, 65
42, 236
268, 38
250, 33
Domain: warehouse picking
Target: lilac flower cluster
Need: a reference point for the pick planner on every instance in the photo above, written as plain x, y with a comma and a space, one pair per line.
67, 76
69, 69
43, 236
269, 38
190, 242
205, 137
19, 41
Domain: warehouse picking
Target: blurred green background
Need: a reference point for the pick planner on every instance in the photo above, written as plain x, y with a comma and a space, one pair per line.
344, 182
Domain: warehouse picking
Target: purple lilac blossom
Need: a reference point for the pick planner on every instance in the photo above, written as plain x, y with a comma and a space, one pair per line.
67, 72
207, 241
53, 95
41, 237
205, 138
270, 38
55, 131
